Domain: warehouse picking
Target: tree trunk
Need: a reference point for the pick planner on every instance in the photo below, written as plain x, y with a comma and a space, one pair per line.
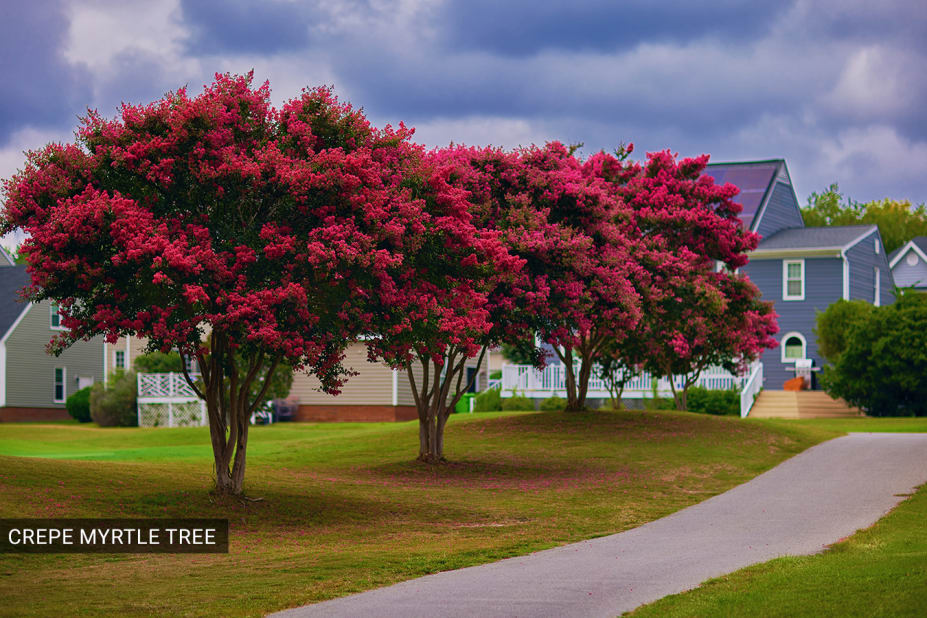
435, 399
229, 407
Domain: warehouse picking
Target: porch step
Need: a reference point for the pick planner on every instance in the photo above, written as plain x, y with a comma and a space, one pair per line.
801, 404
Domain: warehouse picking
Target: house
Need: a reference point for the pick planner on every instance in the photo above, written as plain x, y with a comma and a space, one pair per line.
376, 393
801, 269
909, 264
33, 384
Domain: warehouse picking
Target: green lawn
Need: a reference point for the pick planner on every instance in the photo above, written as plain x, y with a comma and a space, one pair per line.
881, 571
345, 508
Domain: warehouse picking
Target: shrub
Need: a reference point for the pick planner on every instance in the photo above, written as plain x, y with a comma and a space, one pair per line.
78, 405
833, 325
496, 375
115, 405
517, 402
553, 404
883, 368
488, 401
704, 401
158, 362
659, 403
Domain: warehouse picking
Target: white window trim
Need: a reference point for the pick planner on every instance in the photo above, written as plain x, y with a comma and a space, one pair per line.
51, 315
64, 384
877, 301
785, 279
804, 346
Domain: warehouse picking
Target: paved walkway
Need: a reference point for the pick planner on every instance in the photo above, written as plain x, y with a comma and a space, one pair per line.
801, 506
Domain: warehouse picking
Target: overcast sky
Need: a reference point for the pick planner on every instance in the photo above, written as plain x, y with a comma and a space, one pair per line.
838, 88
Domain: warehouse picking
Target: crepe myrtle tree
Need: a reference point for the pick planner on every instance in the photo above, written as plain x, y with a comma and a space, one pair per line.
459, 293
684, 226
223, 228
567, 229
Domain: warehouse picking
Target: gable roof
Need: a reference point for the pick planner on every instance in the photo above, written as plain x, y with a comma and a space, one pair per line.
814, 240
12, 280
755, 179
918, 244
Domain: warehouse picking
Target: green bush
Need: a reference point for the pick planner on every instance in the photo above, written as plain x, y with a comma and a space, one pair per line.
833, 325
78, 405
115, 405
659, 403
704, 401
495, 375
553, 404
883, 368
159, 362
517, 402
488, 401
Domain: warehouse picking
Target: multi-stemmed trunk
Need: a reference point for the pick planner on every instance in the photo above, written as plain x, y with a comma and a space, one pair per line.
577, 385
436, 397
229, 406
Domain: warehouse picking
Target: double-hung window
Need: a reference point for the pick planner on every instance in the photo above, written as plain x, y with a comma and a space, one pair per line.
60, 381
793, 280
55, 318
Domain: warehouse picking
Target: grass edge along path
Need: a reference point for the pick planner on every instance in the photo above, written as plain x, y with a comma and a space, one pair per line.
346, 509
879, 571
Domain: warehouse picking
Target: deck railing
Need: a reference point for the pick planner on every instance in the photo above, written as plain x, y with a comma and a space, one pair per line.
167, 400
527, 381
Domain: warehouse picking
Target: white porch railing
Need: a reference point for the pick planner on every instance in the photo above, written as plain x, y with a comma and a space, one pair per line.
529, 382
751, 389
166, 400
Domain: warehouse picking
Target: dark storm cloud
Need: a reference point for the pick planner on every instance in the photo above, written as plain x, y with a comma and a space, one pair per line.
235, 26
39, 87
522, 27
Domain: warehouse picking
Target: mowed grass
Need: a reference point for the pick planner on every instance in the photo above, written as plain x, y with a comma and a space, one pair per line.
881, 571
346, 508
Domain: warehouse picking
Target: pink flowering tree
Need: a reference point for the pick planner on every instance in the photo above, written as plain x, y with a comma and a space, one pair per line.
222, 227
459, 293
566, 227
685, 227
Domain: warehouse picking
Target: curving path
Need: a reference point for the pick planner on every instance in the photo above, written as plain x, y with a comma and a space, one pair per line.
799, 507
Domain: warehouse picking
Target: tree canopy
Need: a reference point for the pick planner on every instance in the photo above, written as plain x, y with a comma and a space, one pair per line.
899, 221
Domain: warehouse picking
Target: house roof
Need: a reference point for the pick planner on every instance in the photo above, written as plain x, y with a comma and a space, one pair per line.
755, 180
12, 280
814, 239
920, 242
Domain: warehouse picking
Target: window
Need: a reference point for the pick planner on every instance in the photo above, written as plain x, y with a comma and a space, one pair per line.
793, 280
877, 285
793, 347
911, 259
120, 359
60, 391
877, 246
56, 318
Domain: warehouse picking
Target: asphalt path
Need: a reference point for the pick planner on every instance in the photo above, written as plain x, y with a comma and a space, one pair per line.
799, 507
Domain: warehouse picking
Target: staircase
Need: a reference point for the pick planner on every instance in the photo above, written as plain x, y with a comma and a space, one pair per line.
800, 404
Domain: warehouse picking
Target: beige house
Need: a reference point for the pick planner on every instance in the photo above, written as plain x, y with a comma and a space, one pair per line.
376, 393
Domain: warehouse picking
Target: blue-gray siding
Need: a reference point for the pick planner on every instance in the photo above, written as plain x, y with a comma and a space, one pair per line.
863, 261
823, 286
781, 212
906, 275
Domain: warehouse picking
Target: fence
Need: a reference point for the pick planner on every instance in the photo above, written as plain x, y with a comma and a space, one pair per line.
529, 382
166, 400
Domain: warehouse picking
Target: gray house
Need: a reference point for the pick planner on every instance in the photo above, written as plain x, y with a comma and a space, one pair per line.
802, 270
909, 264
33, 384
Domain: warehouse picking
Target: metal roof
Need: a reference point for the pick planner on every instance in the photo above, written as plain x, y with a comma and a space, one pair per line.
753, 178
12, 280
